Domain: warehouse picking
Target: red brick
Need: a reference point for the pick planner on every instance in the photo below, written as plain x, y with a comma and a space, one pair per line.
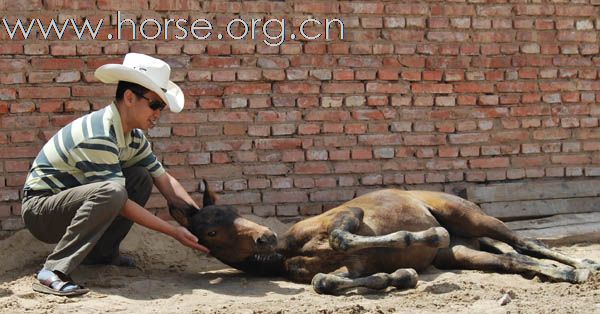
493, 37
44, 92
202, 62
278, 143
404, 9
468, 138
57, 64
473, 88
404, 35
317, 7
424, 140
94, 91
218, 49
13, 78
576, 10
332, 195
380, 139
327, 115
76, 106
234, 116
356, 167
431, 88
516, 86
129, 5
11, 49
51, 106
387, 88
203, 90
367, 115
361, 7
571, 159
19, 152
248, 88
361, 153
22, 137
296, 88
285, 197
22, 107
166, 5
551, 134
510, 136
534, 9
496, 162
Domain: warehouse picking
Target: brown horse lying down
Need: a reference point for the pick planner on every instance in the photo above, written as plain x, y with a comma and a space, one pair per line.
377, 240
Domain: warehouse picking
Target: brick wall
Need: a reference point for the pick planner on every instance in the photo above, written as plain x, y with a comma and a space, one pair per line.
421, 94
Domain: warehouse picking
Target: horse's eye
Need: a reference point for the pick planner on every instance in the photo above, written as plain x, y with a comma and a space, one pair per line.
212, 233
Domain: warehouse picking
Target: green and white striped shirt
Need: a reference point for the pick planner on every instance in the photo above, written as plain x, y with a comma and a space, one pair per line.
91, 149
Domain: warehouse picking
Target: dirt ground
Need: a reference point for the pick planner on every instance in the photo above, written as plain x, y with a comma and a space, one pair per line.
173, 279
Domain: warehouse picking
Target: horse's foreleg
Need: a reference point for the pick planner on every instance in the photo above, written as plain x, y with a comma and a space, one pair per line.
336, 284
462, 257
341, 240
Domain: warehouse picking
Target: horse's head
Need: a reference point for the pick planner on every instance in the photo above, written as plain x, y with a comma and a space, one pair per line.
232, 239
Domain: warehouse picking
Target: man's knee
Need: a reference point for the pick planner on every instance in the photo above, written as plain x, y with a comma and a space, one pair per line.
115, 193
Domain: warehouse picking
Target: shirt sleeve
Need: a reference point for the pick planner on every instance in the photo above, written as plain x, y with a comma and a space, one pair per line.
144, 157
98, 159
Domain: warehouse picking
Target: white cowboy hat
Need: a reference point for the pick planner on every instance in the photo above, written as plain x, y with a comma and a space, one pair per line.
148, 72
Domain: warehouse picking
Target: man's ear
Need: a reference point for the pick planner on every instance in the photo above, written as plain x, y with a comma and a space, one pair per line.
182, 215
129, 97
209, 197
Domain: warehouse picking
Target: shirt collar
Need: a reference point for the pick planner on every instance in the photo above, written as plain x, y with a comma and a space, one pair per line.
115, 118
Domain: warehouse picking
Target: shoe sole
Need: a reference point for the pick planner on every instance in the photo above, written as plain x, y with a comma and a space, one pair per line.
38, 287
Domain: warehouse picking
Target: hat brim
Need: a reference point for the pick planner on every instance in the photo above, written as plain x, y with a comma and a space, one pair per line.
113, 73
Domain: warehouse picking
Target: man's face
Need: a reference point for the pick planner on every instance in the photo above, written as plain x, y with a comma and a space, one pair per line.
147, 110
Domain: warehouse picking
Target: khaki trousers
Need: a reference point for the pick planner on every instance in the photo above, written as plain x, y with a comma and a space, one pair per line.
84, 221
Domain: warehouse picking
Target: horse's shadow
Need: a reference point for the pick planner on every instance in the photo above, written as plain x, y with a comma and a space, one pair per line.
163, 284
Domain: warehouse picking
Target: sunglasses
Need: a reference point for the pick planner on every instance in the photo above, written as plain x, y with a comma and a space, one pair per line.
153, 104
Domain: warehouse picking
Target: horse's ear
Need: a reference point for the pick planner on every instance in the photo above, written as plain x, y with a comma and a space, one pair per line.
182, 215
209, 198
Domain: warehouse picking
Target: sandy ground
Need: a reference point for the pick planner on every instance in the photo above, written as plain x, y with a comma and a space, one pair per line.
173, 279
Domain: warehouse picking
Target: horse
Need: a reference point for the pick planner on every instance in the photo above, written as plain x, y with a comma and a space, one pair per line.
378, 240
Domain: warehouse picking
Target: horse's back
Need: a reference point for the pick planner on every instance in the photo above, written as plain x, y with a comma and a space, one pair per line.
385, 211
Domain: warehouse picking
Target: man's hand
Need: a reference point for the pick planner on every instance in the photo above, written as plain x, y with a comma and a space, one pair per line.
186, 238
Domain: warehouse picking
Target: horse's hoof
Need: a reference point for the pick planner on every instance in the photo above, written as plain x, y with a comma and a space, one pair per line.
404, 278
322, 285
581, 275
589, 264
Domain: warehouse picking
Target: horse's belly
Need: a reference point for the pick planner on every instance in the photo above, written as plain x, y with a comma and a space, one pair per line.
388, 260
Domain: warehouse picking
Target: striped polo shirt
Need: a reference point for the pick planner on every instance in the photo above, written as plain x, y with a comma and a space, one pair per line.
91, 149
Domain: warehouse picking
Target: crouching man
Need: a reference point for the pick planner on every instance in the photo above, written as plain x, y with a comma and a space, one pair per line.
90, 181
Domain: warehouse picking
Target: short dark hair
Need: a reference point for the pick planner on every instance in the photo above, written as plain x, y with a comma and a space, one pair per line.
122, 86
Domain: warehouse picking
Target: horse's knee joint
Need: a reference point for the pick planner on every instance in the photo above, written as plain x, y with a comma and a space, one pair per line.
338, 240
440, 238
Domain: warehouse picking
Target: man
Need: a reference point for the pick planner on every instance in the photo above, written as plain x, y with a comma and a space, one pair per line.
89, 183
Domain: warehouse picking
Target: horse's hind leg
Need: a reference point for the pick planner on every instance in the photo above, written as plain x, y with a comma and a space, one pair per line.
462, 256
338, 283
466, 219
